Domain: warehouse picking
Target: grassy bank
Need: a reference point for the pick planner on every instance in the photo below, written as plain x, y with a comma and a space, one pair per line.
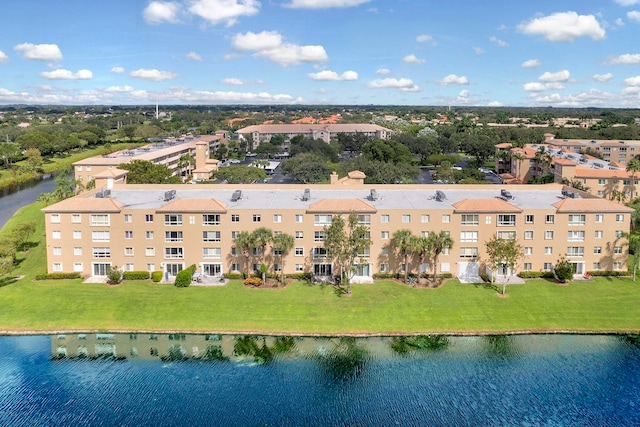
386, 307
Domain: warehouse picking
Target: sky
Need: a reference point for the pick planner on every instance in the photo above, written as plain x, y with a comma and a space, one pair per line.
561, 53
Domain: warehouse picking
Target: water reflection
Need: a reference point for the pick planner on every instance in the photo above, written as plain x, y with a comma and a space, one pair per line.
407, 345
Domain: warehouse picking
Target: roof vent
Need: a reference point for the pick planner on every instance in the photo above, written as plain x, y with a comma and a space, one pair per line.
506, 195
105, 193
237, 195
440, 196
373, 194
169, 195
307, 195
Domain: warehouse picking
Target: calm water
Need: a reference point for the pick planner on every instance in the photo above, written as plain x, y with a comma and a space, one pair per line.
14, 197
138, 380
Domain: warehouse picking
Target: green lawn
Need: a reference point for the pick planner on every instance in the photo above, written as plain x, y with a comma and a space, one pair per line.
386, 307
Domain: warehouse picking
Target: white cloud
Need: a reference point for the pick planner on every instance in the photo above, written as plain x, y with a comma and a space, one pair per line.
564, 27
619, 22
152, 74
634, 15
560, 76
453, 79
494, 104
323, 4
270, 44
220, 97
239, 82
194, 56
425, 38
158, 12
224, 11
3, 57
412, 59
119, 89
61, 74
327, 75
627, 2
464, 93
602, 77
531, 63
39, 52
383, 71
539, 87
478, 50
117, 70
632, 81
627, 58
402, 84
499, 42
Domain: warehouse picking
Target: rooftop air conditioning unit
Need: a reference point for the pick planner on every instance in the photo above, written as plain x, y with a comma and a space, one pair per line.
237, 195
169, 195
307, 194
373, 194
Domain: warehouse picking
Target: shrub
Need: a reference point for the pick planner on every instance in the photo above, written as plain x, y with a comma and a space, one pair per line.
253, 281
609, 273
445, 275
136, 275
564, 270
298, 276
233, 276
114, 276
183, 278
156, 276
58, 276
485, 277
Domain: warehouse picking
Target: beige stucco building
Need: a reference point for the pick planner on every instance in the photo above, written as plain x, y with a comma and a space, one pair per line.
168, 228
324, 132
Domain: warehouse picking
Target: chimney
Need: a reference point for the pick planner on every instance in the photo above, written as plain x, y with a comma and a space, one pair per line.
334, 177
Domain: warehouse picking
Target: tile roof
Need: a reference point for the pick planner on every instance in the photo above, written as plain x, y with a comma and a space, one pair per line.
590, 205
341, 205
194, 205
485, 205
85, 204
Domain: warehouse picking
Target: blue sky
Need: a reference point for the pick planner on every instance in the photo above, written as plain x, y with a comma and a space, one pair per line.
571, 53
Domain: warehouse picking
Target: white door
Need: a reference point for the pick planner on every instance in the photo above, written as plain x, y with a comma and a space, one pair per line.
468, 272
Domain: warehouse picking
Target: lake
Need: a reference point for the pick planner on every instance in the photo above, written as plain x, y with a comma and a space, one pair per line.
177, 379
16, 196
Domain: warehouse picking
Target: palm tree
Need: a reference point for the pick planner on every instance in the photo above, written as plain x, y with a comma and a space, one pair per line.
618, 196
519, 158
633, 166
261, 238
633, 240
421, 245
283, 243
243, 243
402, 241
436, 244
185, 161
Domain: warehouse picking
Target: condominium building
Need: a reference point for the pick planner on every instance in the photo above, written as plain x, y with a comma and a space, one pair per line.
325, 132
615, 151
168, 228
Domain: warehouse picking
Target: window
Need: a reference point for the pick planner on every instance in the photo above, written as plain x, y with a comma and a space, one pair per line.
469, 219
57, 266
234, 234
173, 219
299, 218
128, 267
128, 218
364, 253
528, 235
77, 267
599, 217
384, 218
55, 218
504, 219
100, 236
550, 219
192, 219
424, 218
319, 252
149, 251
211, 236
77, 251
487, 219
148, 218
299, 235
299, 267
548, 266
597, 250
128, 251
151, 267
527, 266
617, 249
211, 219
77, 234
384, 267
364, 219
602, 181
322, 220
576, 235
577, 219
256, 218
575, 251
625, 181
56, 234
445, 267
598, 234
406, 218
384, 235
619, 217
506, 235
318, 236
424, 234
257, 252
99, 219
601, 193
128, 234
619, 233
548, 250
173, 236
173, 253
277, 218
528, 250
57, 250
548, 235
211, 252
384, 251
101, 252
277, 268
528, 219
234, 251
76, 218
446, 218
235, 267
617, 266
468, 252
277, 252
468, 236
299, 252
235, 218
149, 234
596, 266
445, 251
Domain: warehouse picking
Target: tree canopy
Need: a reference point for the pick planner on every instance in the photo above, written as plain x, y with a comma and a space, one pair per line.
145, 172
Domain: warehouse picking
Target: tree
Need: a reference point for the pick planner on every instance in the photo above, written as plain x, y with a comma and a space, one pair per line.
633, 240
9, 152
403, 241
503, 253
421, 245
184, 162
345, 242
282, 244
21, 233
436, 244
7, 257
388, 151
261, 237
34, 160
145, 172
243, 243
241, 174
563, 270
633, 166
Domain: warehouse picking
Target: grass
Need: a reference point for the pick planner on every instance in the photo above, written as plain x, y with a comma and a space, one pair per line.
386, 307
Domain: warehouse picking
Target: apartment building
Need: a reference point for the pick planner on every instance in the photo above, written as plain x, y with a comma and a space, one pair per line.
168, 228
166, 152
325, 132
614, 151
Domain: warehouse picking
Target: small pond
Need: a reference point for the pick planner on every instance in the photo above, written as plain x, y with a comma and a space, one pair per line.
223, 380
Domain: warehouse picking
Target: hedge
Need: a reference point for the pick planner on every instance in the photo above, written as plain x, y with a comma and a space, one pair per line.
298, 276
535, 274
58, 276
183, 278
136, 275
234, 276
609, 273
156, 276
